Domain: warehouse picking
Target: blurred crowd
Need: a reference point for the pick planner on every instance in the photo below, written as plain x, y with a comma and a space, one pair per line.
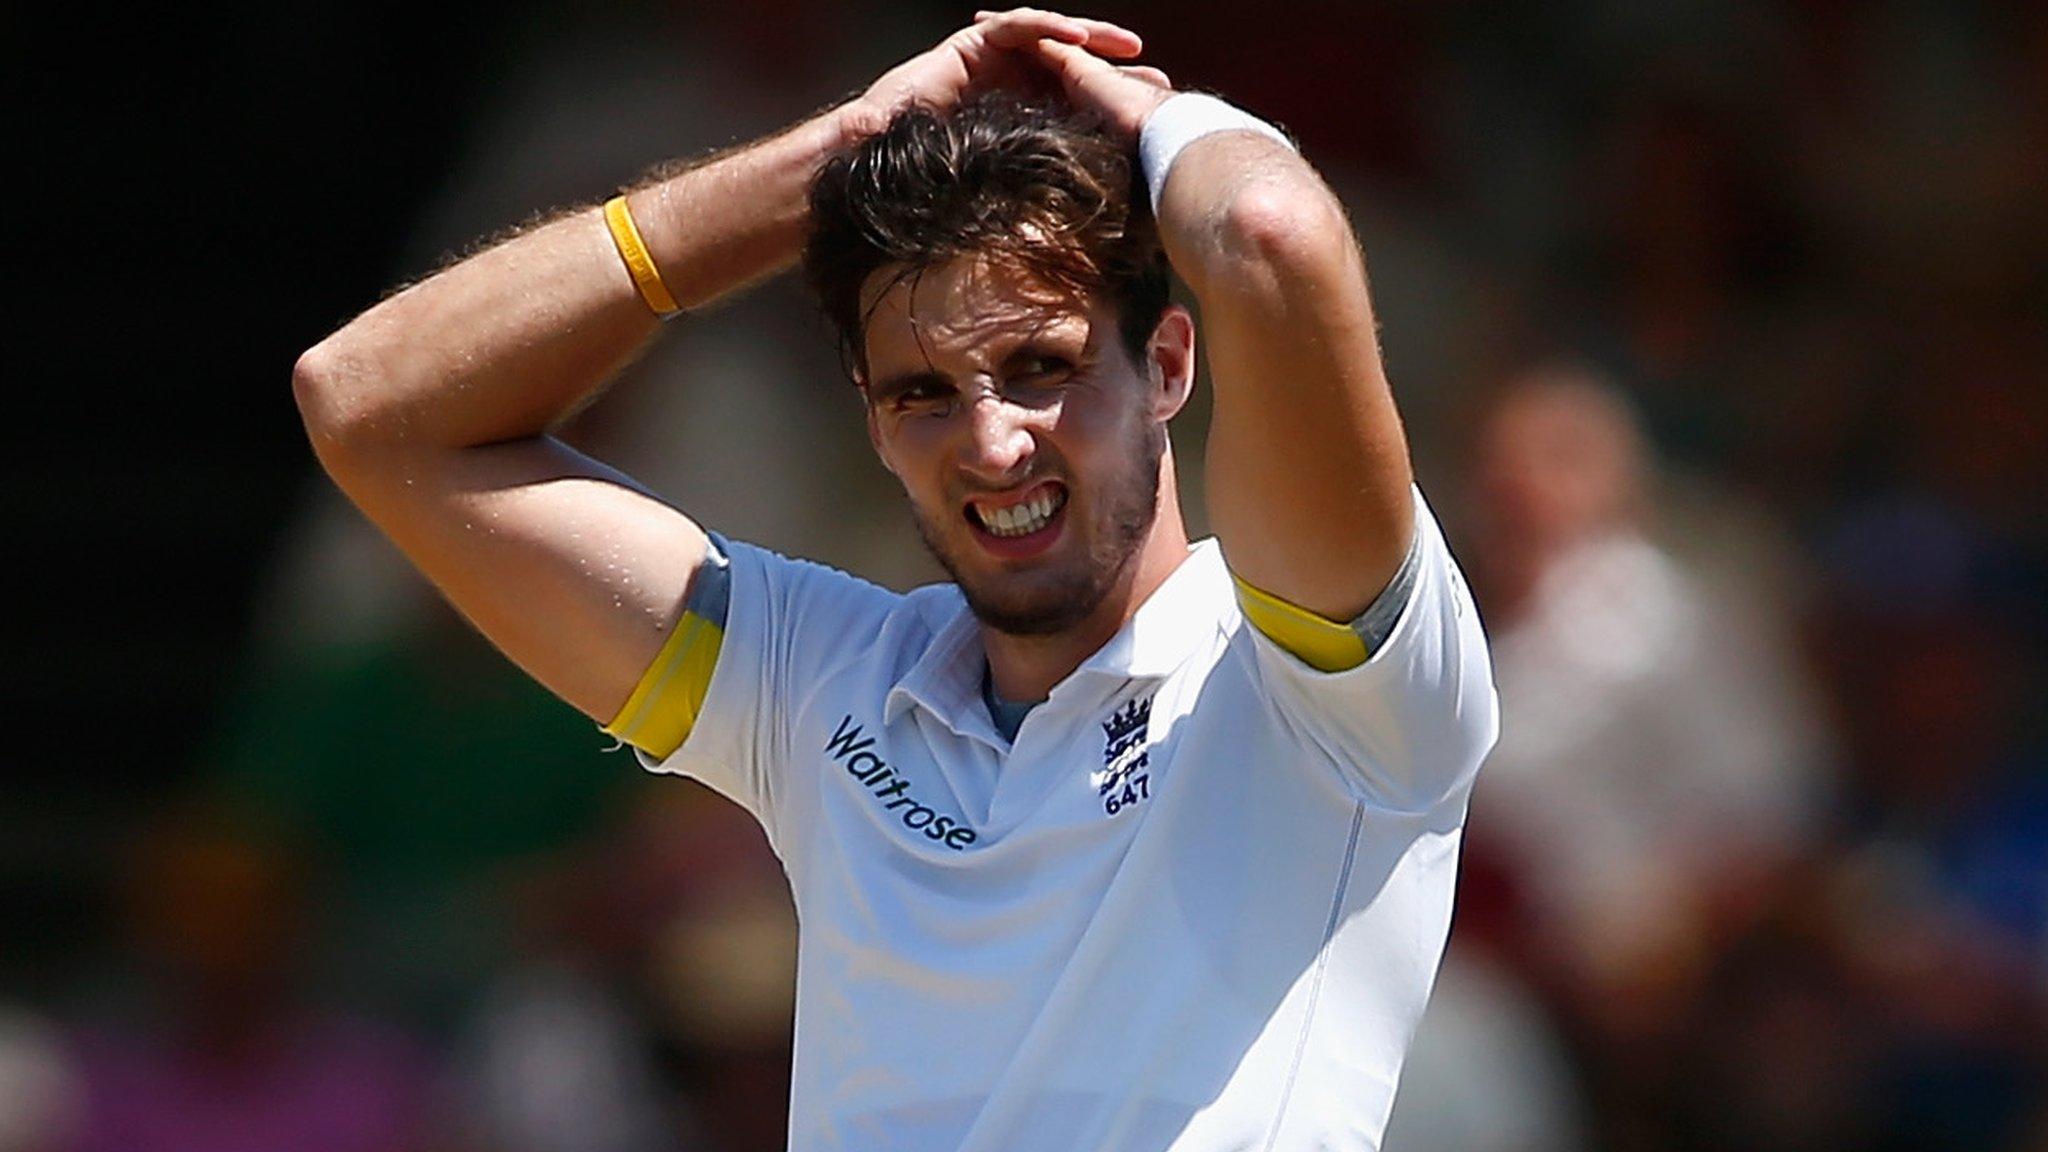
1719, 329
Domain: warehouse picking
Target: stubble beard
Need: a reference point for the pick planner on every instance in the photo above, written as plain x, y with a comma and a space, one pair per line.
1047, 603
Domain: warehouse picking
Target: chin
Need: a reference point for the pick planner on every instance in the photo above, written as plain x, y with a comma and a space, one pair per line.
1040, 600
1043, 611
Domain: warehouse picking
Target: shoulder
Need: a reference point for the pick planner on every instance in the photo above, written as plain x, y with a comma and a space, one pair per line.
1409, 721
818, 616
784, 588
1618, 603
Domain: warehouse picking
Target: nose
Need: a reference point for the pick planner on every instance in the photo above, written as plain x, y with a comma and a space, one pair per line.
1000, 440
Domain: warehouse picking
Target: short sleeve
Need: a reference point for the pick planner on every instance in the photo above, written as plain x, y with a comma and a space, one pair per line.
787, 624
1409, 726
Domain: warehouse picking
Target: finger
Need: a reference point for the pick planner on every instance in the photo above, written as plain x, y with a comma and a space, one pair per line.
1072, 64
1078, 70
1146, 73
1112, 40
1100, 36
1021, 26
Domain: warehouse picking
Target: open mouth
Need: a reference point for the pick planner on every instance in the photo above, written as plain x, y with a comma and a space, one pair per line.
1008, 518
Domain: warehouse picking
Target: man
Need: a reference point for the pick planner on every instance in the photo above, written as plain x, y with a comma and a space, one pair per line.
1663, 763
1082, 858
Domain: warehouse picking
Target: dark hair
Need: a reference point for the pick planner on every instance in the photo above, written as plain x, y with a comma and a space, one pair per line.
1032, 182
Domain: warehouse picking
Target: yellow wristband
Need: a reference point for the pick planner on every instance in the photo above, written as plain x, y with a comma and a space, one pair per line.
646, 277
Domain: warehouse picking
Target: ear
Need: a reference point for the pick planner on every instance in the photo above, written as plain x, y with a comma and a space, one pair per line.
1170, 359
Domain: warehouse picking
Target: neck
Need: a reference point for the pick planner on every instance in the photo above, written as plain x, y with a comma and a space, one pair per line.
1025, 668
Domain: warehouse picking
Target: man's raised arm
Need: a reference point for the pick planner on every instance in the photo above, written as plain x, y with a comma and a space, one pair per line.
432, 409
432, 412
1308, 473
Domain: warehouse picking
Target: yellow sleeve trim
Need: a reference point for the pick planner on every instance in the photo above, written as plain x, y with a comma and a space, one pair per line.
663, 708
1324, 645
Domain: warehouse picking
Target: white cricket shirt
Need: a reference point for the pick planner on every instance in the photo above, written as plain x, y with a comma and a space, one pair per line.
1197, 905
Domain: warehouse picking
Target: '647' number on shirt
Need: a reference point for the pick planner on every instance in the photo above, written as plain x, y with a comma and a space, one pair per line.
1135, 788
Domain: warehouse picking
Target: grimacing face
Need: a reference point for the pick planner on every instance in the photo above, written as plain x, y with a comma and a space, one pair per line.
1027, 440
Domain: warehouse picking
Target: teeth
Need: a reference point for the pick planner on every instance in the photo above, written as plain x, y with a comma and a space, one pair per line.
1020, 519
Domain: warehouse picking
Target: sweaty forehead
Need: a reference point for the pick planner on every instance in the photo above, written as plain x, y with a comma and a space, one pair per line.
968, 312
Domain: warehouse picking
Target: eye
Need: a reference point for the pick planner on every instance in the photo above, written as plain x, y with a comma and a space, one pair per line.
1038, 378
920, 398
1043, 366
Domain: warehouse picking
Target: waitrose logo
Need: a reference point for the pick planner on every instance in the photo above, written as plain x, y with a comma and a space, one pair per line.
850, 747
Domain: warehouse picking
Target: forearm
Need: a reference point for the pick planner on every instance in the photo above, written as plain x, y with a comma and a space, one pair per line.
504, 344
1308, 465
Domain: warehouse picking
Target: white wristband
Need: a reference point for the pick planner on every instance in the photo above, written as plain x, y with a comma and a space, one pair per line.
1183, 119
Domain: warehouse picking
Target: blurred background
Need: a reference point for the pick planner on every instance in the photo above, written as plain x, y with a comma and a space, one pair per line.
1721, 329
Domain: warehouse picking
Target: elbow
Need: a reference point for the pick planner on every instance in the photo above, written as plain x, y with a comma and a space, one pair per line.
1276, 235
1285, 223
322, 384
312, 382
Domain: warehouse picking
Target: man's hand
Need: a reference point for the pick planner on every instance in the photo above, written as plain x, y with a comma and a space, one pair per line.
1123, 95
998, 50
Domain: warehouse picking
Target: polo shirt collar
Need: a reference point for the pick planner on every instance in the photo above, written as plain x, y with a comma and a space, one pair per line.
946, 679
1172, 625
